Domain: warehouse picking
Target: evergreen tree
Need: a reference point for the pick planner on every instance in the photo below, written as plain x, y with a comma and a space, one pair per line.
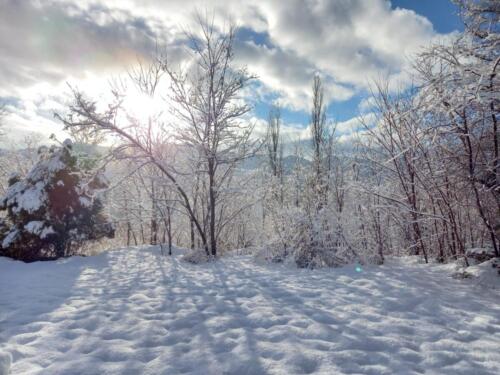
54, 209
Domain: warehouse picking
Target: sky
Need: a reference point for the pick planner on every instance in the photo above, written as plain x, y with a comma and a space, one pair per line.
46, 45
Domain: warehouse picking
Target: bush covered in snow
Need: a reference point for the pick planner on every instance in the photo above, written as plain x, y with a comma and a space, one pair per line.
197, 256
480, 254
485, 273
321, 242
321, 239
53, 209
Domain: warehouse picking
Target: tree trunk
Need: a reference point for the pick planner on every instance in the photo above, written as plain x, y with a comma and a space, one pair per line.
213, 239
154, 223
169, 230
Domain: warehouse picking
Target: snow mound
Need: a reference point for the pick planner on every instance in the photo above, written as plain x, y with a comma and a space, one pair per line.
480, 254
5, 362
134, 311
252, 250
486, 273
196, 257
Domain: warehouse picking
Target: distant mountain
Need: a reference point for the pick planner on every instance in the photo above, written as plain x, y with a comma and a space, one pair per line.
260, 161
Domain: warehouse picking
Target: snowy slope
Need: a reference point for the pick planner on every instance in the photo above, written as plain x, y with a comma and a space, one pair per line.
134, 312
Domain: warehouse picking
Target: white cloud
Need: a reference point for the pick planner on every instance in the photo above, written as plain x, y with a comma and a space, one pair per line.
367, 104
349, 42
287, 75
353, 41
355, 124
289, 132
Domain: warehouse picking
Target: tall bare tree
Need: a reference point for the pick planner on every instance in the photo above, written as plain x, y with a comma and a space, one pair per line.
210, 112
274, 143
320, 141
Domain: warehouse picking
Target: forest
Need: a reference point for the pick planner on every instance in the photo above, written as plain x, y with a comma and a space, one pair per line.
420, 176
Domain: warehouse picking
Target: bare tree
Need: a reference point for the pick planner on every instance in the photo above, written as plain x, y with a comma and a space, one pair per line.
274, 143
397, 137
210, 113
320, 138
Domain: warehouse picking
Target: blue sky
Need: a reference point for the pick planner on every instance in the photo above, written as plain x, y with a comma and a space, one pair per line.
442, 13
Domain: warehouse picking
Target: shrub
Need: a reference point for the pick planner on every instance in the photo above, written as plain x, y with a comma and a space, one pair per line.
53, 209
197, 256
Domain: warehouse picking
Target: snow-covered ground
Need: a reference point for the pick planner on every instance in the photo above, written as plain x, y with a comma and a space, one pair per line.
136, 312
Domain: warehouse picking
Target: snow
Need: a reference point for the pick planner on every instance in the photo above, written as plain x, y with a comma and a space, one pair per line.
480, 251
85, 202
480, 254
46, 231
10, 237
51, 165
54, 165
133, 311
486, 273
196, 257
28, 199
34, 226
38, 227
